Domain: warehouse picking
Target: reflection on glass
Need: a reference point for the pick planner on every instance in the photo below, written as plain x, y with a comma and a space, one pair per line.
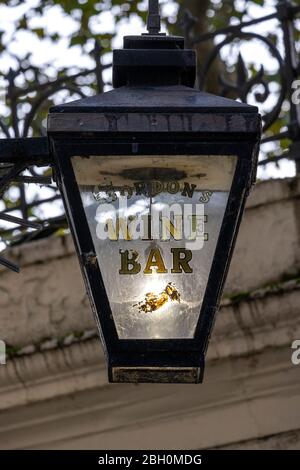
155, 222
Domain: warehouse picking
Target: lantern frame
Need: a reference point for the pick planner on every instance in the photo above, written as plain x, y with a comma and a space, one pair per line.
154, 111
162, 360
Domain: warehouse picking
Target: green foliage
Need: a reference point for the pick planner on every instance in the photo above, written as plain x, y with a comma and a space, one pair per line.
26, 83
81, 10
28, 91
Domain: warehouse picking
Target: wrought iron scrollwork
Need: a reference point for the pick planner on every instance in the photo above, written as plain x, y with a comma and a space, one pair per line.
244, 82
18, 154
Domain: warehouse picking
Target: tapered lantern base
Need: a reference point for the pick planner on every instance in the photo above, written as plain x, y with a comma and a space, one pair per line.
156, 374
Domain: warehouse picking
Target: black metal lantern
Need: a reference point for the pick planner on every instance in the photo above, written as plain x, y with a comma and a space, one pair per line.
154, 176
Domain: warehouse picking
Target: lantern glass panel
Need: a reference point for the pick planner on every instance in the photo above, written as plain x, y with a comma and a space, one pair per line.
155, 223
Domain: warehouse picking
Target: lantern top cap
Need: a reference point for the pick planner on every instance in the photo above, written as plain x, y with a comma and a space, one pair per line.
154, 73
159, 99
153, 21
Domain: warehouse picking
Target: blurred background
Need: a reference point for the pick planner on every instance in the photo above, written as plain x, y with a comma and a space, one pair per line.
53, 389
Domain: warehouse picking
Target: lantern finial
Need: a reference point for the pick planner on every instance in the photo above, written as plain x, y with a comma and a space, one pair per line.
153, 21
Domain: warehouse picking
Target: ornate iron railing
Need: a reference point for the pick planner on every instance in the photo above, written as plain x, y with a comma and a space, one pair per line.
18, 154
288, 70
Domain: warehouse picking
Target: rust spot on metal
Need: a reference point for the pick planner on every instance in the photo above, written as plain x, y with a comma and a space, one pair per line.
90, 259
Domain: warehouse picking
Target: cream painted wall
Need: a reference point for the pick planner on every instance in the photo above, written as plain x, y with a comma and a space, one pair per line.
54, 391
